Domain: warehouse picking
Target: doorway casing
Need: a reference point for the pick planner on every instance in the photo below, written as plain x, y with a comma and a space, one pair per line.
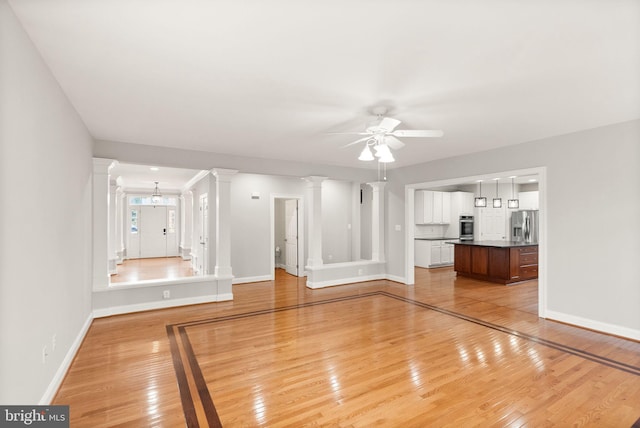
542, 236
301, 242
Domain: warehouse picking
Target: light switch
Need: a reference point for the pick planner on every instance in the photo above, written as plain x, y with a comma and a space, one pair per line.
398, 228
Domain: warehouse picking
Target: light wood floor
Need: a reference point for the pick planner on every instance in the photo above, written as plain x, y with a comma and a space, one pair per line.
445, 352
155, 268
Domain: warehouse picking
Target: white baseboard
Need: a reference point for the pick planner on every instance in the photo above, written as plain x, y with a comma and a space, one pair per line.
616, 330
247, 279
394, 278
343, 281
160, 304
66, 363
225, 297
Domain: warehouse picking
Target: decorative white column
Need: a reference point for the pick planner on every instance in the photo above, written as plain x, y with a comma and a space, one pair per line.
315, 220
186, 224
100, 202
119, 236
223, 221
377, 221
111, 245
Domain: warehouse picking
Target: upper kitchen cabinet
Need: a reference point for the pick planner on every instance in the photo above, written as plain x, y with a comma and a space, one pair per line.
461, 204
528, 200
432, 207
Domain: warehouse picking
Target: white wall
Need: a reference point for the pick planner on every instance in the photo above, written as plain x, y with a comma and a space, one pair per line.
251, 250
365, 221
45, 220
337, 218
593, 187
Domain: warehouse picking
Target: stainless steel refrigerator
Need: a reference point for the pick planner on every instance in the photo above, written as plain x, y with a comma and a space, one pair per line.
524, 226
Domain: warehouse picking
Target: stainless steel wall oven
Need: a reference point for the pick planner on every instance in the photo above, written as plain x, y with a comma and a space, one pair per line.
466, 228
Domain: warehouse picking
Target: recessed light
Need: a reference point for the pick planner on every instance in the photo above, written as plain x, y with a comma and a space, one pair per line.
154, 168
532, 180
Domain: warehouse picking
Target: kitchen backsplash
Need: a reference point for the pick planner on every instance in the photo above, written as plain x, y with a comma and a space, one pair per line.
430, 231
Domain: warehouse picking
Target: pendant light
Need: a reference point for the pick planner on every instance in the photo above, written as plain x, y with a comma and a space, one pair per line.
480, 201
156, 197
497, 201
513, 202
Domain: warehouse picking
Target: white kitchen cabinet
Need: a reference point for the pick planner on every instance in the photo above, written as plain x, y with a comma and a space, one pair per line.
432, 207
529, 200
461, 204
433, 253
422, 253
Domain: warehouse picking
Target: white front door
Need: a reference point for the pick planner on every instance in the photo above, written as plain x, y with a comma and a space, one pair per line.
291, 236
153, 231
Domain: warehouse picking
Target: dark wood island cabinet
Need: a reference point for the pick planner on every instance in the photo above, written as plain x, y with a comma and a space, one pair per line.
504, 262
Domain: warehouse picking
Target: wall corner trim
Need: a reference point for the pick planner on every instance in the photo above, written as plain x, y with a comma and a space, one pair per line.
55, 383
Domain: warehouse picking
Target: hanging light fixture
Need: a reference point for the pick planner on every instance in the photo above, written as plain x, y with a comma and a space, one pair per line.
366, 154
383, 153
497, 201
480, 201
513, 202
156, 197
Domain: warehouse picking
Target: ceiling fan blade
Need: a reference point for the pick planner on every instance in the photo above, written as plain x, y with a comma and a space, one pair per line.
348, 133
393, 142
418, 133
356, 142
388, 123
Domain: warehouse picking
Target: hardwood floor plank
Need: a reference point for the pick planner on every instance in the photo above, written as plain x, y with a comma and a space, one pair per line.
444, 352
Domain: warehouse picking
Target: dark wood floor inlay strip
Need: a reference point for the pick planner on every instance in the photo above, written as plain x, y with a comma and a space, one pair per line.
558, 346
183, 384
205, 396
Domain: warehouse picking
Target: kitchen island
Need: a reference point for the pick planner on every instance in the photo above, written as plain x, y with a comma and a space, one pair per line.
504, 262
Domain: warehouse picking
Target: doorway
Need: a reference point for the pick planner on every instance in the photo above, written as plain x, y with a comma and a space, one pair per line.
287, 235
291, 236
540, 172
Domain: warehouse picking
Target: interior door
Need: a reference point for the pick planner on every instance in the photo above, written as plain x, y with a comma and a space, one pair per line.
153, 231
291, 236
492, 224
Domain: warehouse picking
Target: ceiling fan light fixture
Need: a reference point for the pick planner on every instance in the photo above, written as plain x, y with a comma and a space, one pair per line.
382, 150
366, 154
386, 158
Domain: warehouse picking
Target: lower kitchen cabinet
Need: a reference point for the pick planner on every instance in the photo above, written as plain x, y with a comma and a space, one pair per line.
433, 253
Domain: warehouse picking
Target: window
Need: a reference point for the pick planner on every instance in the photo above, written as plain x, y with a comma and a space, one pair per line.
146, 200
171, 223
134, 221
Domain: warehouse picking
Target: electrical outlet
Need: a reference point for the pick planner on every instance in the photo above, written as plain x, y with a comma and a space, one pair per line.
330, 256
53, 343
44, 354
166, 294
360, 272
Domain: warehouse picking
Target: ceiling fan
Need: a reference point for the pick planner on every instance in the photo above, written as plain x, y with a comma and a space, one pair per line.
381, 136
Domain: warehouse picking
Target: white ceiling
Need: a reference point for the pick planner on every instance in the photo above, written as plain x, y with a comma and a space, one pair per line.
270, 78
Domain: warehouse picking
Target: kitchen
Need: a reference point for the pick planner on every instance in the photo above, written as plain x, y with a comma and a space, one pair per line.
490, 223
